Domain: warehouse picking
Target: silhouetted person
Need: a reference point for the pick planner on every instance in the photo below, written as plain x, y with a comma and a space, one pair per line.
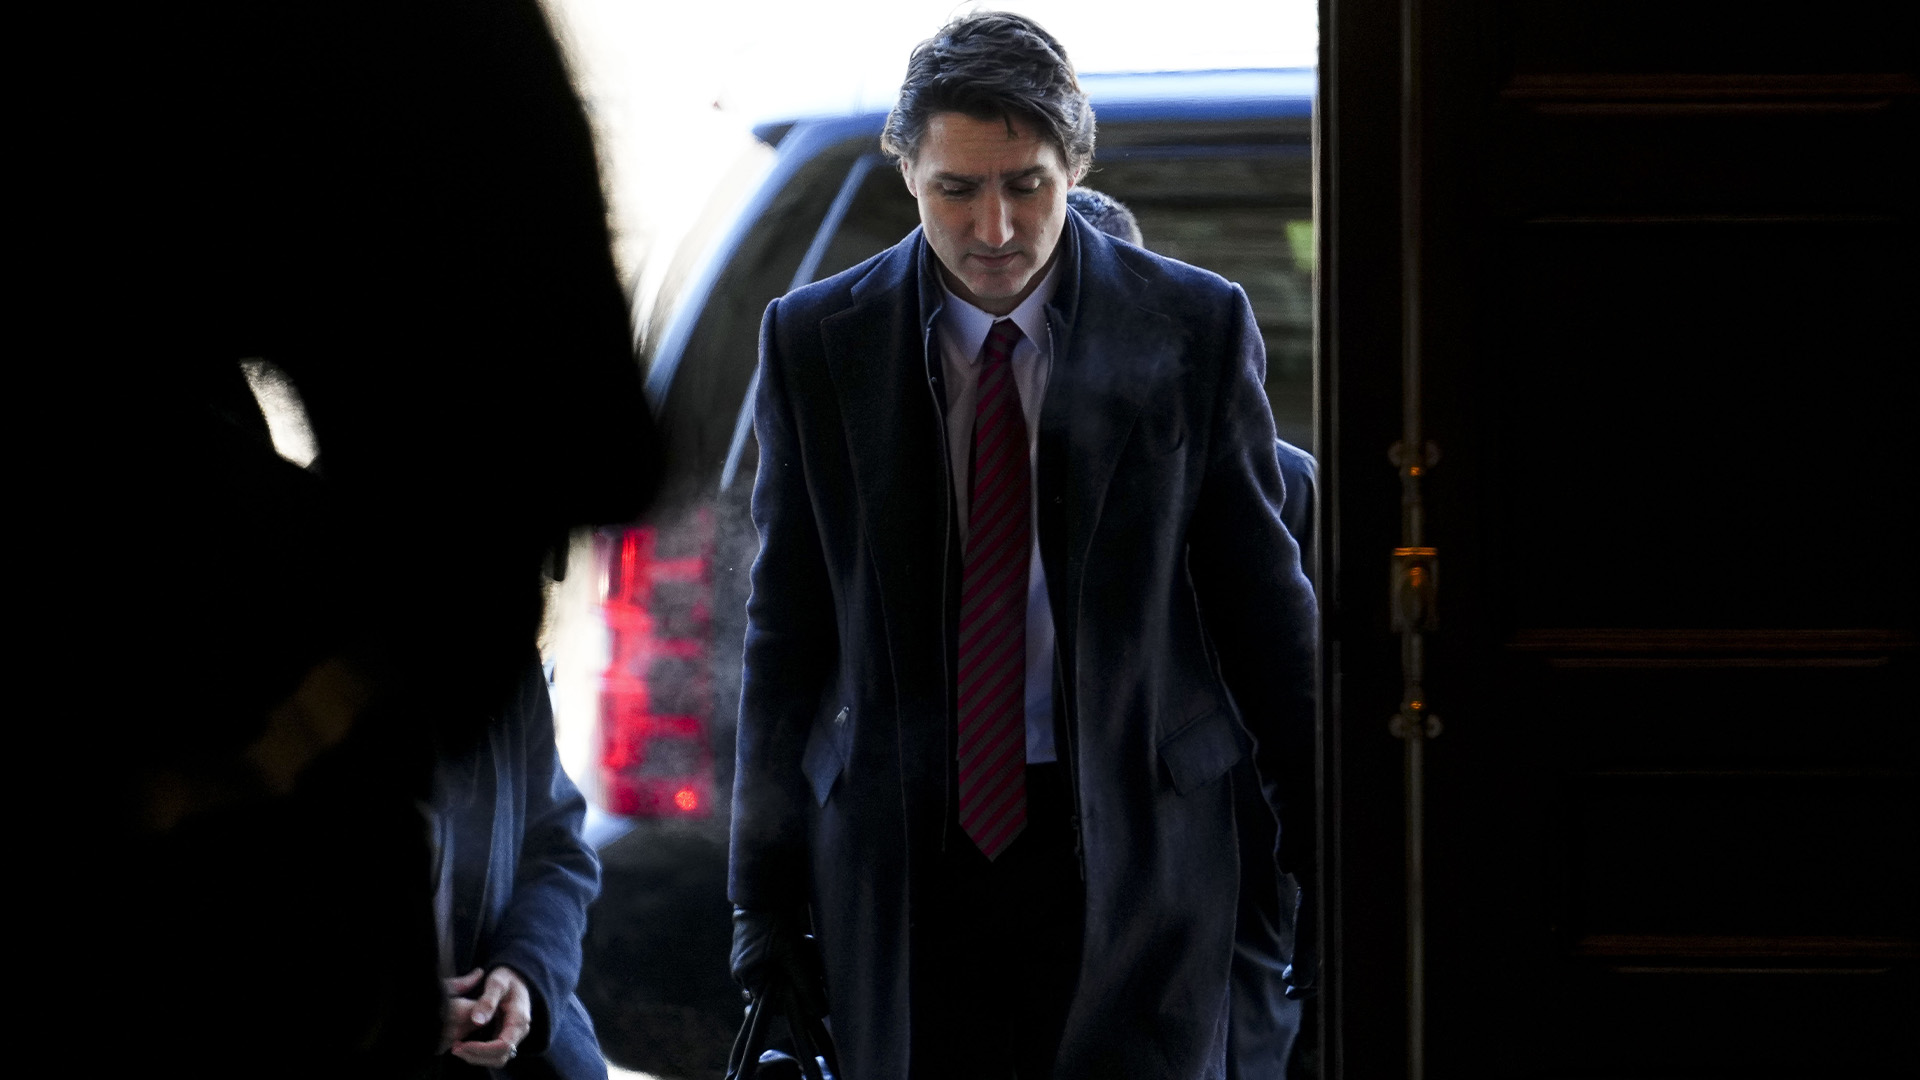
398, 206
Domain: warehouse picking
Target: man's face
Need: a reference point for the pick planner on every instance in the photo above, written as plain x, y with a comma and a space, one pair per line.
992, 201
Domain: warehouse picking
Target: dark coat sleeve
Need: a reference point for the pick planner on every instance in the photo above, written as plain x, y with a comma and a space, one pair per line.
1259, 608
558, 875
791, 648
1302, 505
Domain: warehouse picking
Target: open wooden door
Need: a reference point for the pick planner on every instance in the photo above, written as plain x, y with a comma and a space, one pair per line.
1644, 275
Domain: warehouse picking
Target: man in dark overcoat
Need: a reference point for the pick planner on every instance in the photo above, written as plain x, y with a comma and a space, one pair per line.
994, 698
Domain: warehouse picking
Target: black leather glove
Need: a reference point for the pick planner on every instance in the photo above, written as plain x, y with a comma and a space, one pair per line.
777, 963
774, 954
1302, 973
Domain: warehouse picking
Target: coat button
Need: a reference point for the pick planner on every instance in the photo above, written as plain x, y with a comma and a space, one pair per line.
841, 719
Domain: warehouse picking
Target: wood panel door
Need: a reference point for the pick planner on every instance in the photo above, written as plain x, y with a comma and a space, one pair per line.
1647, 273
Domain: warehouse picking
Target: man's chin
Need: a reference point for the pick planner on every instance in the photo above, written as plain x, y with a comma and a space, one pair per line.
998, 290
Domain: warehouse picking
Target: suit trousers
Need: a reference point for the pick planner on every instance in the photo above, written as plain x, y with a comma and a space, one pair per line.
999, 947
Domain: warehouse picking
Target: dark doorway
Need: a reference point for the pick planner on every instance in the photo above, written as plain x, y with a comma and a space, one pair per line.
1657, 317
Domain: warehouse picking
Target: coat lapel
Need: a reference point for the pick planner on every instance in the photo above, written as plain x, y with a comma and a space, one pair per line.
896, 443
1110, 354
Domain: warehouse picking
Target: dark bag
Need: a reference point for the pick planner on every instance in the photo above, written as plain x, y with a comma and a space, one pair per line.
752, 1060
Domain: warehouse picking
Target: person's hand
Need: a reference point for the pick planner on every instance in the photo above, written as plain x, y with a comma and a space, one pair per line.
772, 952
458, 1021
502, 995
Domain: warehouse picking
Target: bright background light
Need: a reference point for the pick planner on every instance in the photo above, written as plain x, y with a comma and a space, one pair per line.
674, 89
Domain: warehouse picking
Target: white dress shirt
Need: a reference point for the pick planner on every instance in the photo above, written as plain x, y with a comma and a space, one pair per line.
962, 330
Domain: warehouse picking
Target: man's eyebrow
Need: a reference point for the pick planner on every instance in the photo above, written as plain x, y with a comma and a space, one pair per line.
974, 178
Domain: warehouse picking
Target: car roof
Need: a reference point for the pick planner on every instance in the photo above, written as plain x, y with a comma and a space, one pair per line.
1119, 97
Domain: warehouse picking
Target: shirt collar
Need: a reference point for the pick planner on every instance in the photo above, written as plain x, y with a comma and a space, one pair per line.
967, 326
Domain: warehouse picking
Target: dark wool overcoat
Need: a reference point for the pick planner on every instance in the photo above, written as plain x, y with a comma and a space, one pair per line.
523, 877
1185, 638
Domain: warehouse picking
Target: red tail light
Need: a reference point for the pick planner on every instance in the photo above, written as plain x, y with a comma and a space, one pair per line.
656, 695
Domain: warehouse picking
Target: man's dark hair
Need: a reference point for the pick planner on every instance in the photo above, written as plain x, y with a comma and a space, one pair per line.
1104, 212
993, 65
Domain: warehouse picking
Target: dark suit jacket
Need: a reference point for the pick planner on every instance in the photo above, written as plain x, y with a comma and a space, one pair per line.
1184, 627
523, 875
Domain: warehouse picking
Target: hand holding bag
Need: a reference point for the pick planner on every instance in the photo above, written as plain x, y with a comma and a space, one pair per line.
751, 1060
779, 965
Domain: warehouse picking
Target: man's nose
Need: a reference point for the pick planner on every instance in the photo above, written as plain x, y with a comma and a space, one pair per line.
995, 221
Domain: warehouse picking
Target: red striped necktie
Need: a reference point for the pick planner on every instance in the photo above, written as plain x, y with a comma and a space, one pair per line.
993, 609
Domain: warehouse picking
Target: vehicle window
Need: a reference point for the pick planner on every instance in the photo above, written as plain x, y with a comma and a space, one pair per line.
714, 372
881, 214
1226, 197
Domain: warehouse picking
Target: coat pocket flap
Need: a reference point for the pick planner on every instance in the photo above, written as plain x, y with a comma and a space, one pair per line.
821, 761
1201, 751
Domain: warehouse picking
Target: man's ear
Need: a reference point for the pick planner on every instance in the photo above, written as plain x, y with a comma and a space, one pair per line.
906, 173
